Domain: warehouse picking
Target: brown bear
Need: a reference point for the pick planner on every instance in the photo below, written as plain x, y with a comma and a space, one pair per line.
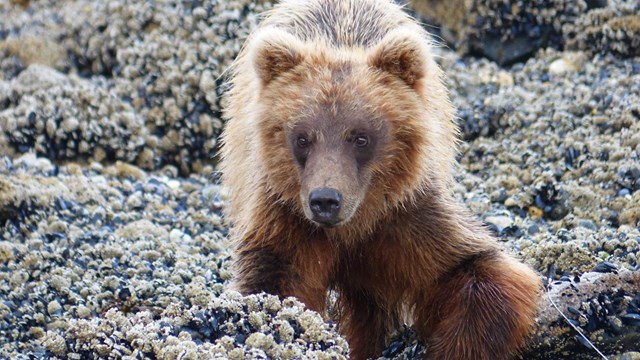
337, 153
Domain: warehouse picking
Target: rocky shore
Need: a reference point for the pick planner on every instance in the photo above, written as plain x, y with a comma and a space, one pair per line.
112, 241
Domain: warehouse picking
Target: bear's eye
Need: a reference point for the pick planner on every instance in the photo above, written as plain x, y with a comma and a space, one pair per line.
361, 141
302, 142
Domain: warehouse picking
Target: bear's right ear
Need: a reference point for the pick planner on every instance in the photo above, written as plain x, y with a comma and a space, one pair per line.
401, 53
274, 53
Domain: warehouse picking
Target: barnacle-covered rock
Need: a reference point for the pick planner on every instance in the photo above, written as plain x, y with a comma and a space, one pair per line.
73, 246
503, 31
67, 117
615, 29
230, 326
163, 61
603, 306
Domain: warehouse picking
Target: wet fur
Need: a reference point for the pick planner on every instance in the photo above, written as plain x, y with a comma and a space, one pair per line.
408, 245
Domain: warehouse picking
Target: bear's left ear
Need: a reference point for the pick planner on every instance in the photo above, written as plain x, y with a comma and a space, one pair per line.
275, 52
400, 53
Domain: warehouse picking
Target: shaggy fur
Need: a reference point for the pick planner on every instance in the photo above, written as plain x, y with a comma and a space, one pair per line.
332, 73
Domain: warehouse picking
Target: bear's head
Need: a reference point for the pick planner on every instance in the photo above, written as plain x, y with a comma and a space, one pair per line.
349, 134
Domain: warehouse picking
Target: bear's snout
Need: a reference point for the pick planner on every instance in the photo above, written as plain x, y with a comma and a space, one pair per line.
325, 204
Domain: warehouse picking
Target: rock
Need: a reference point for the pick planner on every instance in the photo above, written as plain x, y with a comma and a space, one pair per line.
37, 77
561, 66
131, 94
54, 308
623, 192
173, 184
499, 196
43, 49
500, 222
177, 236
222, 323
504, 31
505, 52
584, 302
552, 202
533, 229
615, 29
505, 79
5, 91
64, 117
30, 160
512, 31
587, 224
605, 267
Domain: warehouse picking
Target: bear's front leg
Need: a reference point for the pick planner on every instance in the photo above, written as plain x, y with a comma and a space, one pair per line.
481, 310
301, 271
260, 268
364, 323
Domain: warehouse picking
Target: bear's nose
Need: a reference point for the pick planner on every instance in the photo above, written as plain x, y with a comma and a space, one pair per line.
325, 204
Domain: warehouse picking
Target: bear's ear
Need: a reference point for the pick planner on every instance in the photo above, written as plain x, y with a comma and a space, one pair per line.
275, 52
402, 54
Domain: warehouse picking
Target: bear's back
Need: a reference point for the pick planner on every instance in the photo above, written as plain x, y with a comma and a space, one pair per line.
339, 23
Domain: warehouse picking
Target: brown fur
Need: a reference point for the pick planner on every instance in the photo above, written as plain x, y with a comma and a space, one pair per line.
329, 71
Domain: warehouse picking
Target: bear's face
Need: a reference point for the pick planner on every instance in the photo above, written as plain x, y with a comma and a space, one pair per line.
335, 142
338, 132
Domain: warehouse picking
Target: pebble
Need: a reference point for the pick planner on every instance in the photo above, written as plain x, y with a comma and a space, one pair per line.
178, 236
135, 201
561, 66
215, 195
605, 267
37, 77
501, 222
533, 229
499, 196
173, 184
587, 224
31, 160
54, 308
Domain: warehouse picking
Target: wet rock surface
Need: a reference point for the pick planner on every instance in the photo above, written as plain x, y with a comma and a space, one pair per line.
111, 236
511, 31
605, 308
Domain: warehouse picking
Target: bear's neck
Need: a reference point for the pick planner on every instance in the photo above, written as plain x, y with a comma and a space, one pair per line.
429, 216
433, 230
